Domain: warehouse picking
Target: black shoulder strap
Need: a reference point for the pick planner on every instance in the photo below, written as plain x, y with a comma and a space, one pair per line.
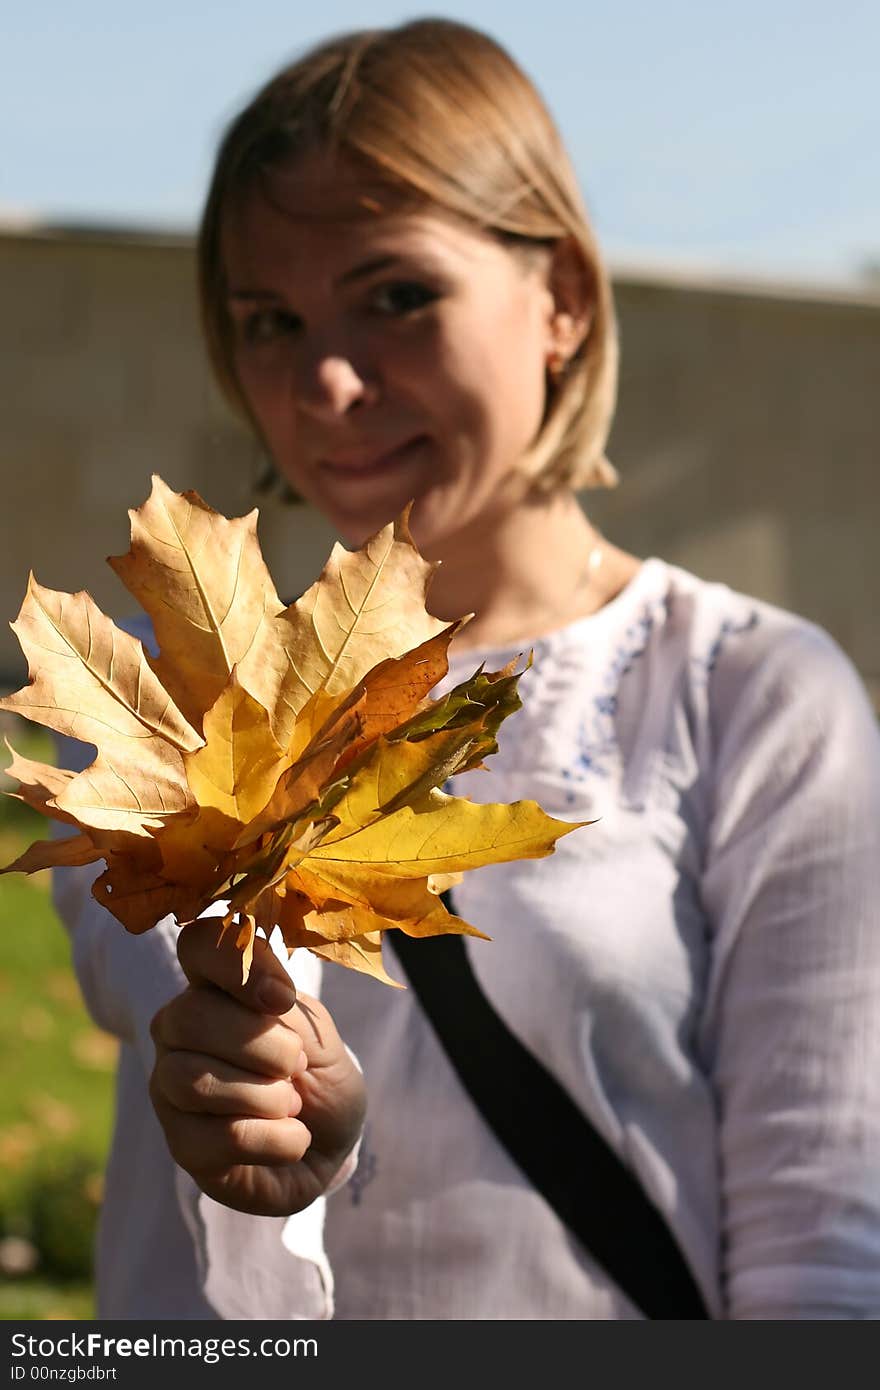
567, 1160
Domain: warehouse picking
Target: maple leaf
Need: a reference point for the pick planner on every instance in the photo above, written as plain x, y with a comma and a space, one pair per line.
204, 583
365, 606
286, 763
38, 782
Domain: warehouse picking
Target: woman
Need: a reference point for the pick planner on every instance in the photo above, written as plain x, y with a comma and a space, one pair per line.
402, 293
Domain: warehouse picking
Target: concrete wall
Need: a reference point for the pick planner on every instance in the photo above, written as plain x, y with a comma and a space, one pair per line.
746, 436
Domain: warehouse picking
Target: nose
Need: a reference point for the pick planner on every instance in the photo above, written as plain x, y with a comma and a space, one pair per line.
332, 388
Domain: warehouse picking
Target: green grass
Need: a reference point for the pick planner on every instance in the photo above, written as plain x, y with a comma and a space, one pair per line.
38, 1300
56, 1078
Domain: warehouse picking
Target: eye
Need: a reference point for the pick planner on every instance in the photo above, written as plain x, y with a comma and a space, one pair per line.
266, 326
402, 297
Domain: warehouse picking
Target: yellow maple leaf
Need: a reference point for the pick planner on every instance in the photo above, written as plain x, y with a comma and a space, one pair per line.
366, 605
241, 762
284, 762
204, 583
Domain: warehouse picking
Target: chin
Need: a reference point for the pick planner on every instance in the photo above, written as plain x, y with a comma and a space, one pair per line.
356, 527
357, 521
437, 520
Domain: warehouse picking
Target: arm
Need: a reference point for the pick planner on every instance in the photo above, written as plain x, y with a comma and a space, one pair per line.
792, 1025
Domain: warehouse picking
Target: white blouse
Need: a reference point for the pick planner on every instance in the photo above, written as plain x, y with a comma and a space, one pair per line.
700, 969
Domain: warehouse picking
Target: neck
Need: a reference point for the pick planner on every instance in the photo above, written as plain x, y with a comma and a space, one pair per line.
529, 570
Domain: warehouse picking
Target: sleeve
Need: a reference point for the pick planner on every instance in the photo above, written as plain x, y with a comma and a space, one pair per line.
792, 1023
124, 979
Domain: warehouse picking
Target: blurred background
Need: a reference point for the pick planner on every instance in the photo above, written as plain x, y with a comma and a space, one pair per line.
729, 159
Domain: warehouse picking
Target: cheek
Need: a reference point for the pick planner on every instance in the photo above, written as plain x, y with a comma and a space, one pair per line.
266, 388
523, 338
506, 362
521, 371
249, 380
507, 377
482, 376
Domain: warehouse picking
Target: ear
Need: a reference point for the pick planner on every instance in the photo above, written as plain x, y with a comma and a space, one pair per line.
571, 284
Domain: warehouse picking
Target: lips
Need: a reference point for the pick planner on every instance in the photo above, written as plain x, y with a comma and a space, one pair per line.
368, 461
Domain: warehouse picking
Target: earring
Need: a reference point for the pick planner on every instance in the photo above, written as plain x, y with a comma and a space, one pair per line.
557, 366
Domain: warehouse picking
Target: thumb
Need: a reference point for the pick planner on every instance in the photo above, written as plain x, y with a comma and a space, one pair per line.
206, 960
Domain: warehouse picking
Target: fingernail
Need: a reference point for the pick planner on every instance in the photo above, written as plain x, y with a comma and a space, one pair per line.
275, 996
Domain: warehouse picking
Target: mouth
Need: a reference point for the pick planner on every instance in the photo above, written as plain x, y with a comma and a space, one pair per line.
366, 463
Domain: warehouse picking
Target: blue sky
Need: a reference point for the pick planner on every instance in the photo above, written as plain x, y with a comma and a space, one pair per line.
741, 138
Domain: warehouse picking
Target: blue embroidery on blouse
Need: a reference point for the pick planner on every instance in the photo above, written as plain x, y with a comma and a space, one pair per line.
705, 665
597, 739
364, 1173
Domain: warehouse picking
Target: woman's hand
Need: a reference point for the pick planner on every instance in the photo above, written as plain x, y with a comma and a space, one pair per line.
259, 1100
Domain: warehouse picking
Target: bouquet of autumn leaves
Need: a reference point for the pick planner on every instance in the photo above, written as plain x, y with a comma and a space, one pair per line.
286, 762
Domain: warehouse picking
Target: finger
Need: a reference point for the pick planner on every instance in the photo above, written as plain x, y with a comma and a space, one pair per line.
209, 1144
269, 988
195, 1084
201, 1019
313, 1023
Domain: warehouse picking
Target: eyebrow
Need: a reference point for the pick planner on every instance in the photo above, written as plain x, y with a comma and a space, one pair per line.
358, 272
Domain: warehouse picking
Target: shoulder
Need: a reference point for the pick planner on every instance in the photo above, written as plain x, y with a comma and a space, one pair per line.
774, 692
675, 657
742, 646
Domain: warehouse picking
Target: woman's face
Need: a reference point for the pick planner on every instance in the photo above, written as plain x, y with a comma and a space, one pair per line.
387, 357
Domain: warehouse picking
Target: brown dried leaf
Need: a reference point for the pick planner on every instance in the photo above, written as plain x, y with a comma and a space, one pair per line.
205, 585
312, 801
50, 854
406, 903
89, 679
367, 605
39, 784
138, 897
133, 794
396, 688
342, 922
39, 781
363, 953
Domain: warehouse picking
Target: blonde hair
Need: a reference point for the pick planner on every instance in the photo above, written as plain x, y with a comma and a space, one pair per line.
439, 112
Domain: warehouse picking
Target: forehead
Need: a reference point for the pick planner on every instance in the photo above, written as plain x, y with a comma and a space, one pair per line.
322, 212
